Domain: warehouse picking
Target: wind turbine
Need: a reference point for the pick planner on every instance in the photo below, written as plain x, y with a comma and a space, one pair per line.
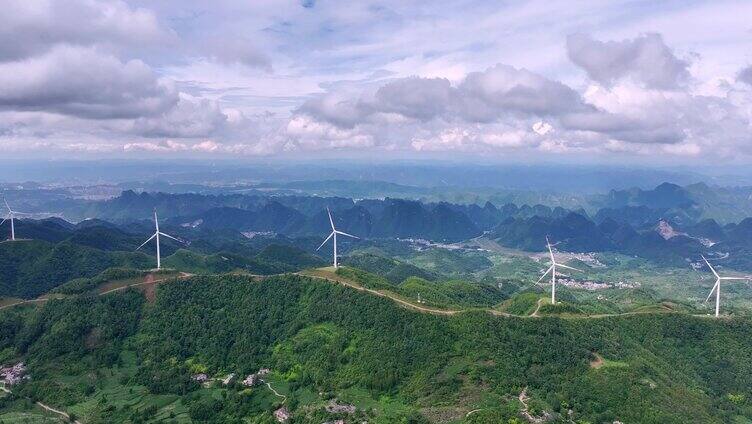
717, 287
11, 217
156, 234
552, 270
334, 234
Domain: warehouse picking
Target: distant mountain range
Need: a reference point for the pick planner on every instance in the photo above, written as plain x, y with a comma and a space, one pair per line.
686, 205
667, 223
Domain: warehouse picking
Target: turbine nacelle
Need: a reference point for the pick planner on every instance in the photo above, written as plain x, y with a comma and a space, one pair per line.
717, 286
156, 235
552, 270
333, 235
11, 216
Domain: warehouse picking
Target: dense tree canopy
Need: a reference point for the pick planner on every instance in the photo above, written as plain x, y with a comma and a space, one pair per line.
324, 338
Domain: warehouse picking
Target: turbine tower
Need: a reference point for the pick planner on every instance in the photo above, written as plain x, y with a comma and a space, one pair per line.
552, 270
11, 217
334, 234
717, 287
156, 234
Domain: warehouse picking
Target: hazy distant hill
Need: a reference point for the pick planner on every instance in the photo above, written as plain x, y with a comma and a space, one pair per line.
686, 204
573, 232
627, 221
390, 218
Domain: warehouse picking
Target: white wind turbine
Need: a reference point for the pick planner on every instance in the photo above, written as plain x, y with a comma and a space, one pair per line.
334, 234
11, 217
156, 234
552, 270
717, 287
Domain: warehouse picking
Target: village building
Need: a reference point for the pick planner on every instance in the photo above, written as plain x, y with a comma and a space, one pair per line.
334, 407
251, 380
14, 374
257, 378
282, 414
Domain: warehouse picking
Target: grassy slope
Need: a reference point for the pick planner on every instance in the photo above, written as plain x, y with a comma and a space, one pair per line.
324, 338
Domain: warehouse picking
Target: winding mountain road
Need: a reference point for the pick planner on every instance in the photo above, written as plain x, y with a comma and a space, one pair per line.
149, 279
46, 407
328, 275
284, 398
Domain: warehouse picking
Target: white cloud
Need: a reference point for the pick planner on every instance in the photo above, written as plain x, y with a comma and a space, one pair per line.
83, 82
312, 135
164, 146
542, 128
645, 59
31, 27
180, 76
496, 93
189, 118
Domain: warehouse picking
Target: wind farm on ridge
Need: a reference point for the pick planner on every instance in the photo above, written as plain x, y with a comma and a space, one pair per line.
551, 271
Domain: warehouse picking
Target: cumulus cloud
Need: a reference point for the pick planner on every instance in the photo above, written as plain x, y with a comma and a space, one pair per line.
310, 134
337, 108
499, 92
745, 75
189, 118
83, 82
645, 59
83, 76
625, 128
418, 98
474, 139
29, 28
503, 90
542, 128
634, 101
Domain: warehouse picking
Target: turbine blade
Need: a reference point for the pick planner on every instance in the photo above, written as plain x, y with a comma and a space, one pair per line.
569, 267
324, 242
544, 274
345, 234
331, 221
3, 221
169, 236
734, 278
711, 267
148, 240
550, 252
717, 282
7, 205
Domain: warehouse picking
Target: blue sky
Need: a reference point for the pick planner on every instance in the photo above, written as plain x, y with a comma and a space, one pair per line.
557, 80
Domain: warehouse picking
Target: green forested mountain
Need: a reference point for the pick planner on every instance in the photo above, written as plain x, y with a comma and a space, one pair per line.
95, 356
273, 259
29, 268
391, 269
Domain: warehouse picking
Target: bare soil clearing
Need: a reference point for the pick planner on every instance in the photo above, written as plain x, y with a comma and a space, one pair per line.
597, 362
